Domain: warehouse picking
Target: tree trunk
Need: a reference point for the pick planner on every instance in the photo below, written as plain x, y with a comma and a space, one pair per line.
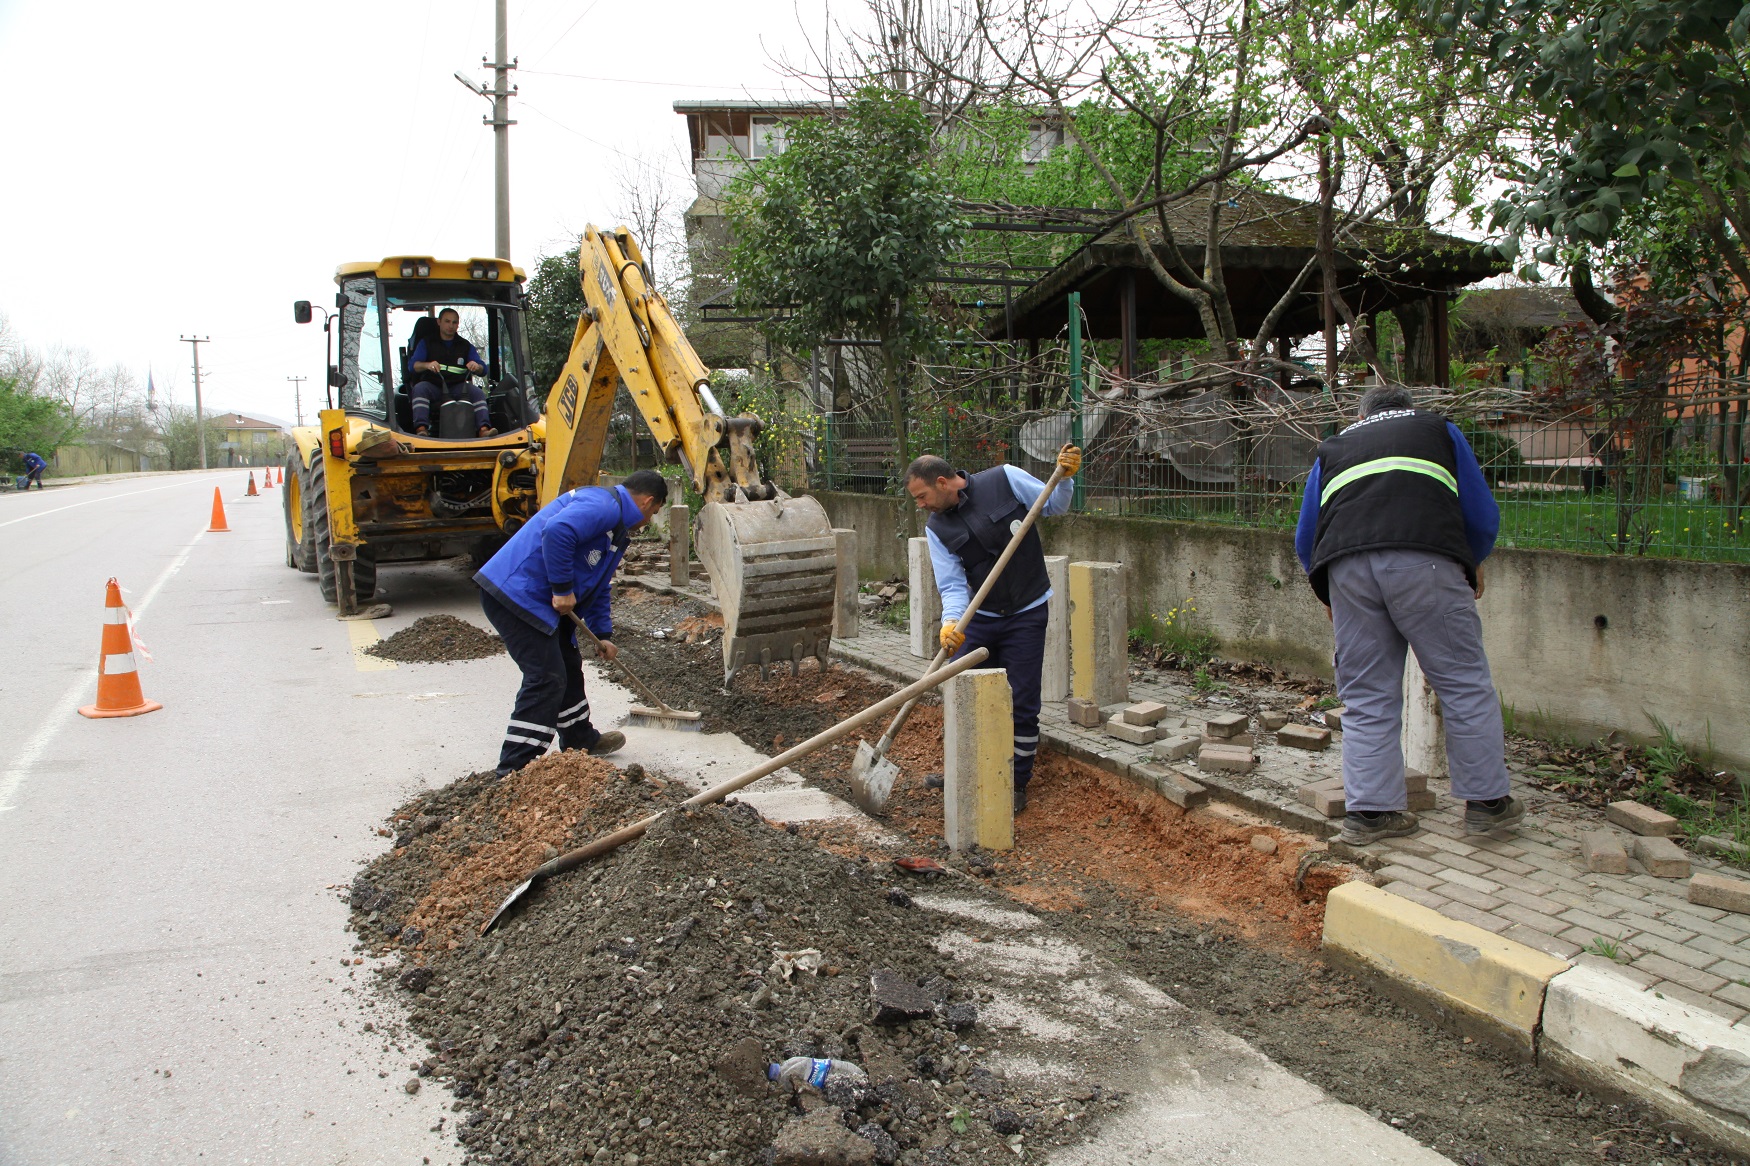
1416, 322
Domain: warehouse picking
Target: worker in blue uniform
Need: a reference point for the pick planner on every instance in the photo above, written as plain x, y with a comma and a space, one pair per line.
972, 518
34, 466
562, 561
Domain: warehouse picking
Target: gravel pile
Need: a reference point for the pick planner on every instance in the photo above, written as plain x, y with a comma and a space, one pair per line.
626, 1013
438, 639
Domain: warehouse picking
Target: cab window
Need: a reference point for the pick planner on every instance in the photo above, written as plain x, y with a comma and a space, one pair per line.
362, 359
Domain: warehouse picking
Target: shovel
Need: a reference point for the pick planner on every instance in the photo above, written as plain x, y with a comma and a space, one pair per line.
872, 773
573, 859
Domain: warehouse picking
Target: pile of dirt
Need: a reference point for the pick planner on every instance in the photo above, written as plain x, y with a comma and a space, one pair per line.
438, 639
632, 1006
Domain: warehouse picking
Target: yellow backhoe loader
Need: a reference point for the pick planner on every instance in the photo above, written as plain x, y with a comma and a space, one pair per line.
364, 488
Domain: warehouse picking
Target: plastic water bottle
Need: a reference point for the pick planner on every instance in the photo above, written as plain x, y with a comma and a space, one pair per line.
815, 1072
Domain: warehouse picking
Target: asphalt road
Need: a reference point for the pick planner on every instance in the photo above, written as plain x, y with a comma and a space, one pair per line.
172, 987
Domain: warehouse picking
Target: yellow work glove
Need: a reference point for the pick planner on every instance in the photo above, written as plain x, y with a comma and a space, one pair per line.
1069, 460
952, 637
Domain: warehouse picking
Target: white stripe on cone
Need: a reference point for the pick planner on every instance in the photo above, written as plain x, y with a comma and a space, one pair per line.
118, 663
115, 615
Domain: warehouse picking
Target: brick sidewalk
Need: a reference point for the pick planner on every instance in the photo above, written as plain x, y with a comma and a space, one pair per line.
1531, 885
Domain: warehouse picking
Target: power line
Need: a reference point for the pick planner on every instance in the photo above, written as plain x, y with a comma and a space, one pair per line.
660, 84
298, 396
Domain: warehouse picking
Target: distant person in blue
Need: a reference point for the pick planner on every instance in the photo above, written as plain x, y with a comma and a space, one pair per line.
562, 560
34, 466
442, 365
972, 518
1394, 527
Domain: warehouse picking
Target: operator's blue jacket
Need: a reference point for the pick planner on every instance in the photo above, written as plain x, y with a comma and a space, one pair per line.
34, 461
571, 546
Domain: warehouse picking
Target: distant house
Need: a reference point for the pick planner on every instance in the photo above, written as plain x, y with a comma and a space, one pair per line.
250, 442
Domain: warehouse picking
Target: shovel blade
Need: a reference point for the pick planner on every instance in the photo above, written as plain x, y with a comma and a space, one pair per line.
510, 901
871, 779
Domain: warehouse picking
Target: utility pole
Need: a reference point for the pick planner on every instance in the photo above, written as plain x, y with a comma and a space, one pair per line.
298, 396
200, 419
499, 119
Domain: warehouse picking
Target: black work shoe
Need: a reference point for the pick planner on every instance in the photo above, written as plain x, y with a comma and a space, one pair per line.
1020, 798
608, 743
1361, 828
1499, 814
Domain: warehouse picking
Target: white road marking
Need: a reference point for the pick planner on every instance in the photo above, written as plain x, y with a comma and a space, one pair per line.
70, 701
107, 498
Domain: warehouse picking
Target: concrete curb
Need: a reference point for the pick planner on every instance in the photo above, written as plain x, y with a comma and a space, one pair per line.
1462, 977
1602, 1028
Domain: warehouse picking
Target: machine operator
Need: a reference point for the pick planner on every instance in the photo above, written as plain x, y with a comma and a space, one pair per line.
442, 365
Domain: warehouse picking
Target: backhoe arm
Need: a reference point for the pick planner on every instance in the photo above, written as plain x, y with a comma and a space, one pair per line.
628, 334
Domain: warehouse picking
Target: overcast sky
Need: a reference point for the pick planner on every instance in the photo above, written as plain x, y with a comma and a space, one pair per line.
183, 168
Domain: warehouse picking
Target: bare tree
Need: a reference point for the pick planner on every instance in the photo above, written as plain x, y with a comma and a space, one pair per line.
649, 202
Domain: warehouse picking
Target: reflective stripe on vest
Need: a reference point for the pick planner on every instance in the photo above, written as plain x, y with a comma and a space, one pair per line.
1384, 465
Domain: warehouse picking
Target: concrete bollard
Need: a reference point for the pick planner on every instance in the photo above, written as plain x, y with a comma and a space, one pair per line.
844, 612
978, 772
1098, 634
680, 549
1054, 677
1424, 736
926, 601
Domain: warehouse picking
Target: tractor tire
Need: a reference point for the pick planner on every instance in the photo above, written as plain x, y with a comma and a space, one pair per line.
364, 567
300, 537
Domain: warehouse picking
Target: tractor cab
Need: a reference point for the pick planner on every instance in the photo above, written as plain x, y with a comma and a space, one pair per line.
387, 308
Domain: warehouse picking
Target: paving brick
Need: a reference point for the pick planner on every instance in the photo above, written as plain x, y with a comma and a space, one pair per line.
1548, 924
1414, 862
1131, 734
1735, 994
1225, 724
1681, 953
1237, 739
1145, 712
1420, 801
1467, 865
1415, 782
1176, 786
1598, 923
1668, 969
1474, 882
1662, 928
1643, 820
1471, 898
1465, 913
1272, 720
1418, 895
1662, 857
1706, 1001
1083, 712
1531, 937
1449, 845
1604, 852
1712, 890
1226, 759
1334, 717
1539, 903
1314, 740
1176, 748
1731, 970
1412, 846
1561, 882
1723, 949
1500, 863
1322, 799
1584, 936
1395, 875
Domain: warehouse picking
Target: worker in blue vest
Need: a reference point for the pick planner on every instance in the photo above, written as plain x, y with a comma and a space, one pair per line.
1394, 527
34, 466
972, 518
562, 561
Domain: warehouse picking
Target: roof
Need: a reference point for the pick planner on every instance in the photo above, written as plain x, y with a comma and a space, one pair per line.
239, 421
1266, 240
776, 106
1504, 309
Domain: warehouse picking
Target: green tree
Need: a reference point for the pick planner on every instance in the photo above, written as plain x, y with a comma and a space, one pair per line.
29, 422
555, 302
842, 232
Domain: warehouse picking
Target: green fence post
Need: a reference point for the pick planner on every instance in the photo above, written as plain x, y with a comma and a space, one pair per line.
1075, 390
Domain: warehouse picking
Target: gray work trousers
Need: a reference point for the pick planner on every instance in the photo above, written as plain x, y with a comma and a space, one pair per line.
1382, 601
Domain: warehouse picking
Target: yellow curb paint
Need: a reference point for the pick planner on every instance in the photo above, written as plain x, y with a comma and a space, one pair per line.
1081, 633
1452, 965
363, 634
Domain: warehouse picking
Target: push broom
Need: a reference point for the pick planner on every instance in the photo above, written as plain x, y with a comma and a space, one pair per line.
660, 717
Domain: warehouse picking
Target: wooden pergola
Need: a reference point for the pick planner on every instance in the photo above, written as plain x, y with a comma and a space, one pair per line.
1266, 242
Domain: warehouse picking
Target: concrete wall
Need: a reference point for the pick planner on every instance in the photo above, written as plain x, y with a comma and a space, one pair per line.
1579, 644
883, 525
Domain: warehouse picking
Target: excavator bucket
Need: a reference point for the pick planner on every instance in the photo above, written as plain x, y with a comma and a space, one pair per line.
773, 566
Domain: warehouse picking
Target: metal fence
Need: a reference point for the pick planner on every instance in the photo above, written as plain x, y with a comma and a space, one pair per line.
1571, 483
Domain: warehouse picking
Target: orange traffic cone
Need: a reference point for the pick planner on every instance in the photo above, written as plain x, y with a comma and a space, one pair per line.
266, 479
218, 523
280, 477
253, 492
118, 680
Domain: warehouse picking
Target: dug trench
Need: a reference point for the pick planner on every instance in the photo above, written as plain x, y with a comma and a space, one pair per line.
626, 1013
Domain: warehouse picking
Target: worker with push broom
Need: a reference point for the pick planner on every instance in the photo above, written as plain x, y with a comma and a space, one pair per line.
562, 563
972, 518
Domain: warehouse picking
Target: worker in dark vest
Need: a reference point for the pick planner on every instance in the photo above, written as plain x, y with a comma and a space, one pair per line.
442, 365
972, 517
1394, 527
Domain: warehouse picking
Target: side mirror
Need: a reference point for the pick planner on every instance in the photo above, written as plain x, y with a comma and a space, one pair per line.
336, 378
301, 311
